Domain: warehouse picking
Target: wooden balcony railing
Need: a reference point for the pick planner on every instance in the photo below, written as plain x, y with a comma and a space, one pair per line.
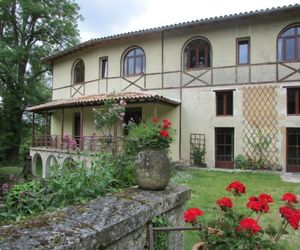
86, 143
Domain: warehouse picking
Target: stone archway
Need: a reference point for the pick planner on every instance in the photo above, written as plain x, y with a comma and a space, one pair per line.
37, 165
51, 161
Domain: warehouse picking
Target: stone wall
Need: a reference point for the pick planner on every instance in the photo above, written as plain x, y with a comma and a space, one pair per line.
116, 221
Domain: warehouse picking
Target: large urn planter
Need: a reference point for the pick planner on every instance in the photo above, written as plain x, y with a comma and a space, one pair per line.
152, 169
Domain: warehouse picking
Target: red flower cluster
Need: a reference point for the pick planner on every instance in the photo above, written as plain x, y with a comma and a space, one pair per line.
225, 202
259, 204
286, 212
164, 133
290, 198
166, 123
294, 220
236, 187
250, 225
154, 119
191, 214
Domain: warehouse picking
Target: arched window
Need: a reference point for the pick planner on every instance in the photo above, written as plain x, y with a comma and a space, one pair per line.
197, 54
78, 72
134, 62
289, 44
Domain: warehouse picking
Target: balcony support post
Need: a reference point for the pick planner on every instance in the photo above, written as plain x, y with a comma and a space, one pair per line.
81, 128
33, 129
46, 122
62, 119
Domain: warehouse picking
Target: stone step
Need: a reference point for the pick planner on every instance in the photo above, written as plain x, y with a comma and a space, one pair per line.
291, 177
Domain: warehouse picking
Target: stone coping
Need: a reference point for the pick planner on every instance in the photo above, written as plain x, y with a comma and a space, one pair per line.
94, 225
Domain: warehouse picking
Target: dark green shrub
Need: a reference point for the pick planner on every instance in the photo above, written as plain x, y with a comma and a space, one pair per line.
242, 162
198, 156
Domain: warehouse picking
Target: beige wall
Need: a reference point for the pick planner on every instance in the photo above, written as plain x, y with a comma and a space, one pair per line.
197, 97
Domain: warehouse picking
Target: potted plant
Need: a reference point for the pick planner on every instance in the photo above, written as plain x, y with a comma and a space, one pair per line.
150, 141
234, 230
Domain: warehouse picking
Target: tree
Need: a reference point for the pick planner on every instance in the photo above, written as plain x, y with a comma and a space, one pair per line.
29, 31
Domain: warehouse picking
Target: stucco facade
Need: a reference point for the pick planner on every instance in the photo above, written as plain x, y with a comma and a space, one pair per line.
165, 73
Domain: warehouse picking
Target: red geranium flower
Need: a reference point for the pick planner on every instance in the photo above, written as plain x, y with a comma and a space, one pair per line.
290, 198
249, 224
266, 197
154, 119
286, 212
224, 202
191, 214
237, 188
164, 133
258, 205
294, 220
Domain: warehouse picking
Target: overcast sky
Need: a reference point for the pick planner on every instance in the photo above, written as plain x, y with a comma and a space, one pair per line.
108, 17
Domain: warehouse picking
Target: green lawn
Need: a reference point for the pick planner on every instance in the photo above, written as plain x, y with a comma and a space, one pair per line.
208, 186
10, 170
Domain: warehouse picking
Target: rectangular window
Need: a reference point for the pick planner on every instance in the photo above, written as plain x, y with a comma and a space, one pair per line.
293, 101
243, 50
103, 67
224, 103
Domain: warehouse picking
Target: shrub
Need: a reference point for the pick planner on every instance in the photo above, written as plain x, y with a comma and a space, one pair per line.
67, 186
241, 162
150, 135
198, 155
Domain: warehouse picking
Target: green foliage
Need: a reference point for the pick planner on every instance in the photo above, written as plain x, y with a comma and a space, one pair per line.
24, 199
260, 144
68, 185
147, 135
241, 162
160, 238
29, 31
108, 115
198, 155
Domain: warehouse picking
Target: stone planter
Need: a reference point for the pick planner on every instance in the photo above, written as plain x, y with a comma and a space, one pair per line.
152, 169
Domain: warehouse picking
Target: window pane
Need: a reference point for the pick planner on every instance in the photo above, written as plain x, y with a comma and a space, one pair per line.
291, 101
243, 52
229, 103
139, 52
192, 62
290, 49
130, 66
201, 59
298, 47
289, 32
131, 53
104, 68
280, 49
139, 65
220, 108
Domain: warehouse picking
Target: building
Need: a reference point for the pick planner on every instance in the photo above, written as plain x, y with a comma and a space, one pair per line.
230, 84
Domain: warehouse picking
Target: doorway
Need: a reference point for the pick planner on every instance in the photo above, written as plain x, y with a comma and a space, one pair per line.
293, 150
224, 151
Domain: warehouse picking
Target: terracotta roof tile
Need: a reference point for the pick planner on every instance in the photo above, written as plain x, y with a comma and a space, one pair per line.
98, 99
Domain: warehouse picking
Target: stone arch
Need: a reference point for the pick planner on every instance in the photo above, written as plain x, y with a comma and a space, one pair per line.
37, 165
51, 161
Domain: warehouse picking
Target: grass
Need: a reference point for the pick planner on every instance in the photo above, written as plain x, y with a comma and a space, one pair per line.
10, 170
208, 186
